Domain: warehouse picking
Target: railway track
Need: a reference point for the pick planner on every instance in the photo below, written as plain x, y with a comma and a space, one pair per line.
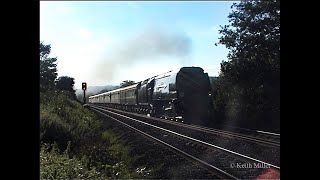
268, 136
259, 137
256, 148
226, 163
159, 161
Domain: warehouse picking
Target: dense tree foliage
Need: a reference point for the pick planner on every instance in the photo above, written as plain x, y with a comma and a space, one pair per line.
248, 87
48, 68
66, 83
126, 83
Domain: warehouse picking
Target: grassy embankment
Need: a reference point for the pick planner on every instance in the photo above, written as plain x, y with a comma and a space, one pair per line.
75, 144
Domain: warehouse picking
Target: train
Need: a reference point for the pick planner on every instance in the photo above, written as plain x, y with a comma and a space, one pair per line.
181, 95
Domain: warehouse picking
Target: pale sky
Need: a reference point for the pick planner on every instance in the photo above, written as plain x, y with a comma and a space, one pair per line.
105, 43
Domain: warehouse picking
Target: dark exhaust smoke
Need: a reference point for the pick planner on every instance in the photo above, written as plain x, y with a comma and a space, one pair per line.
145, 46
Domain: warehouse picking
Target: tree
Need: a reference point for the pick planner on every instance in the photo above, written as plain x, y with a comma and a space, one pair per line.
254, 40
48, 68
251, 77
66, 83
126, 83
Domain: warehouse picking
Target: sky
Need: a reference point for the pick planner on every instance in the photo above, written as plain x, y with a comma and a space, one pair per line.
105, 42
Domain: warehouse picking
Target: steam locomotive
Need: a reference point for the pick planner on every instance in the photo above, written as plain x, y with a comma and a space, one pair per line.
180, 95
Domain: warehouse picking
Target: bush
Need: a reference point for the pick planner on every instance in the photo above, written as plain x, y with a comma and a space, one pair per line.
54, 165
53, 129
63, 119
96, 153
111, 157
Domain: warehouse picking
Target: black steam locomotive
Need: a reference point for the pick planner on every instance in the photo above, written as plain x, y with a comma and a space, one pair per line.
181, 95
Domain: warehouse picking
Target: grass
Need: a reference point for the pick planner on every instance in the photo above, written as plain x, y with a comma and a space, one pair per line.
75, 144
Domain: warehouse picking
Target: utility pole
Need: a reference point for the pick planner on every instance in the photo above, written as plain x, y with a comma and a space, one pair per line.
84, 88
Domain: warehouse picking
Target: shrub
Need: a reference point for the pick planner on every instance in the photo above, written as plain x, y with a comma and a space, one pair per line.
94, 153
54, 165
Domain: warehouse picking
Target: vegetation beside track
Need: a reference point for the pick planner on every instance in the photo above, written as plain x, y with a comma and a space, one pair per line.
75, 143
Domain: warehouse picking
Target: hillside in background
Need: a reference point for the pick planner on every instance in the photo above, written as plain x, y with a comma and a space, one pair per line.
92, 90
95, 89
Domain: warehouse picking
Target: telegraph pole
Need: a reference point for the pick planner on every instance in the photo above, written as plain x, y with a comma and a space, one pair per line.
84, 88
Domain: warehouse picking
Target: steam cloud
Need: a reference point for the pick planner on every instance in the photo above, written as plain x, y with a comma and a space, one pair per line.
148, 45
